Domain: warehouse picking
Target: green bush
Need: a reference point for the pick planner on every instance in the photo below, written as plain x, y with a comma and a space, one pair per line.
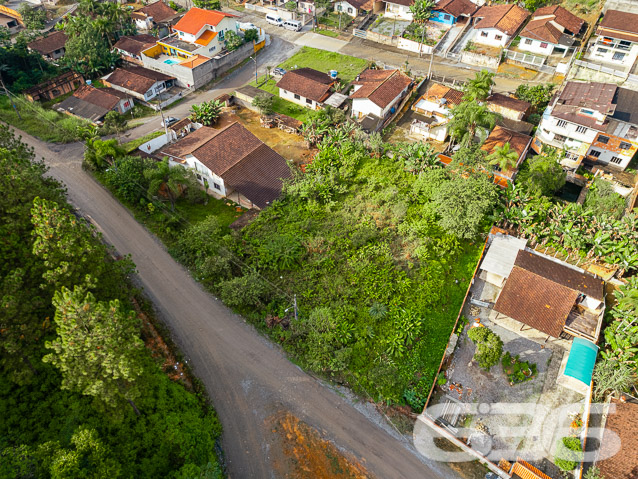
489, 347
569, 453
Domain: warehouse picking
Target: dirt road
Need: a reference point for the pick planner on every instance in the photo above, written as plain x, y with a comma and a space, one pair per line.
248, 378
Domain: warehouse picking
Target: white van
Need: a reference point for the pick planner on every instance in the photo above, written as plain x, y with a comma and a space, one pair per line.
274, 19
294, 25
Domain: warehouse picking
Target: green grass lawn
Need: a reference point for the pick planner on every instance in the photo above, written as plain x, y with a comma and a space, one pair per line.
280, 105
47, 125
324, 61
134, 144
327, 33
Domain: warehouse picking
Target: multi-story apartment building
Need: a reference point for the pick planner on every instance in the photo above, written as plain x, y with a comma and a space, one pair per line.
595, 122
616, 40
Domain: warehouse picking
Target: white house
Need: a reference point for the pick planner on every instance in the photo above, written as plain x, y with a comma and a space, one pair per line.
434, 112
497, 25
399, 9
354, 7
616, 40
139, 82
594, 122
153, 14
200, 32
377, 93
306, 87
231, 163
551, 30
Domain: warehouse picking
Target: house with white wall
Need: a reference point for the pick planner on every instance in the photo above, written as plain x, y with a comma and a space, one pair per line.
616, 40
139, 82
508, 106
399, 9
594, 122
551, 30
378, 93
153, 14
433, 112
354, 8
231, 163
306, 87
497, 25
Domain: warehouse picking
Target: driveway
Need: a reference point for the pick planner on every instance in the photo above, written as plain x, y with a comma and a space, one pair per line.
249, 379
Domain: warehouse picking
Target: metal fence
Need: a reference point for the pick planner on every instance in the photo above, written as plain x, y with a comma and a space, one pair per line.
599, 68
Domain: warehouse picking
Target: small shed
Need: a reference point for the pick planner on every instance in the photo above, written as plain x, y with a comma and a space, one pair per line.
577, 370
248, 93
500, 257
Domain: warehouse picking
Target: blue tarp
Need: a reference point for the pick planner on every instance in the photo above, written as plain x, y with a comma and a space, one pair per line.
581, 360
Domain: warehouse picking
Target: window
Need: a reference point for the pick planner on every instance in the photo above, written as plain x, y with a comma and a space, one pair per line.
308, 101
615, 159
624, 145
339, 7
544, 44
624, 45
484, 34
561, 123
217, 187
446, 17
199, 177
603, 139
498, 37
221, 35
595, 153
601, 51
618, 56
560, 138
297, 97
349, 9
528, 41
581, 129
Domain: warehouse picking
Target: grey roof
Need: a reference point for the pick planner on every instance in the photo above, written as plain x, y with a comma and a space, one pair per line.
336, 100
82, 108
626, 106
501, 254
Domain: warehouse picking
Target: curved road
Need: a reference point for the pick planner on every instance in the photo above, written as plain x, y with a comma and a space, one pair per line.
248, 379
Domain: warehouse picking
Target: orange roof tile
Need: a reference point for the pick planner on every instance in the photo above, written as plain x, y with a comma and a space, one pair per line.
193, 21
526, 471
206, 37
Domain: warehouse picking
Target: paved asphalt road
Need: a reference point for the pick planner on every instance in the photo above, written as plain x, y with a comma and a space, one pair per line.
248, 378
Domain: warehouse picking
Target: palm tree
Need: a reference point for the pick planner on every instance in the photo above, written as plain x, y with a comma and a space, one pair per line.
169, 182
479, 87
99, 153
503, 157
467, 118
421, 13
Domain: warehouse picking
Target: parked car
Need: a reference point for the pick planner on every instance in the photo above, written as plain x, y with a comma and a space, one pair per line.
170, 120
279, 72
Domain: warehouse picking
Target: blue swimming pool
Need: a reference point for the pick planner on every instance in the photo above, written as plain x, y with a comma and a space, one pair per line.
171, 61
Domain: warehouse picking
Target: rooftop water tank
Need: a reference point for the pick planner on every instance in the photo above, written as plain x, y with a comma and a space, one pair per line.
333, 74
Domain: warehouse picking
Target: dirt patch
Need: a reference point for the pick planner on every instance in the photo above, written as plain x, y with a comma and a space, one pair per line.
516, 71
298, 451
292, 147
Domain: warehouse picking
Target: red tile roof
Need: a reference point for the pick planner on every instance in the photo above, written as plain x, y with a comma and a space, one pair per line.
102, 97
511, 103
193, 21
158, 10
505, 18
542, 30
562, 16
241, 159
50, 43
137, 79
620, 442
307, 83
624, 23
381, 87
536, 301
437, 92
499, 136
456, 7
135, 44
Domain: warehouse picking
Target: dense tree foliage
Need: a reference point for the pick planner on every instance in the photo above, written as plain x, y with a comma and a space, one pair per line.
489, 347
48, 429
34, 18
20, 68
470, 119
537, 95
479, 88
602, 200
542, 175
207, 113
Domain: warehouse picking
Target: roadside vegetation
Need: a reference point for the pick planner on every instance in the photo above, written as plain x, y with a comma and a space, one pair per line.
67, 310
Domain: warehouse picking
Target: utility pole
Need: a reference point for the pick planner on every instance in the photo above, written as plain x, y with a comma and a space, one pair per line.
430, 67
254, 58
163, 120
9, 96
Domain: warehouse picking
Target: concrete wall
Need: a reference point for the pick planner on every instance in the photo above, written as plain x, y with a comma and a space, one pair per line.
443, 17
362, 107
480, 60
421, 130
399, 11
411, 45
